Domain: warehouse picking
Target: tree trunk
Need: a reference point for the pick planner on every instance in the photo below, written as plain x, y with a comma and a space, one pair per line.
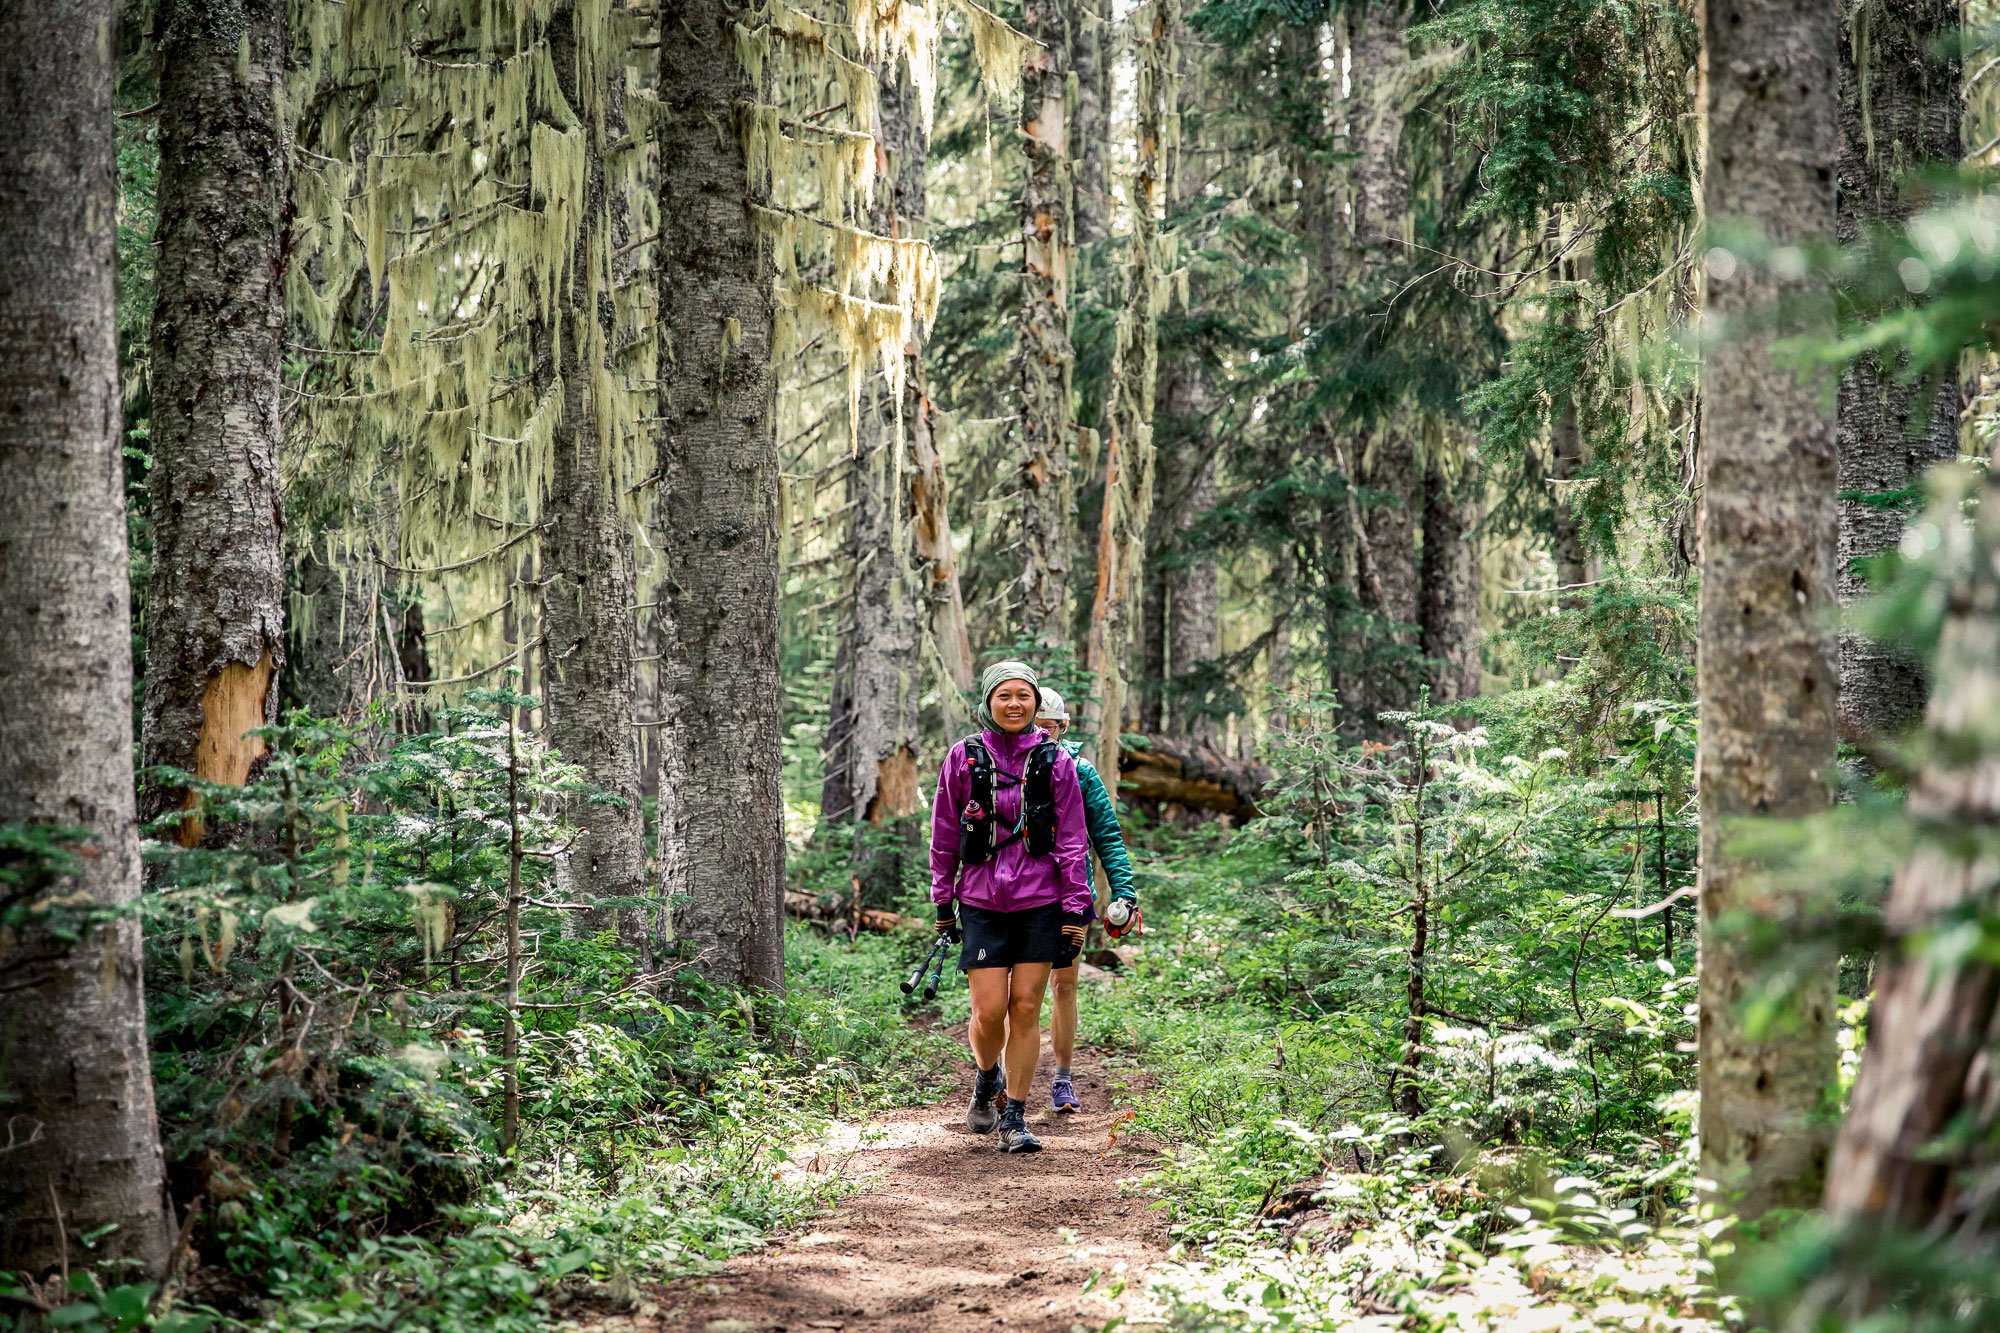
1567, 549
1767, 663
871, 760
1090, 52
1153, 637
720, 505
1045, 359
215, 600
1932, 1027
344, 626
1890, 432
1386, 465
588, 626
1450, 601
76, 1092
933, 547
1194, 628
1135, 370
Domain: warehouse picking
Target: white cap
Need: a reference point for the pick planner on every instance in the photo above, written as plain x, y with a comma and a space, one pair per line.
1052, 706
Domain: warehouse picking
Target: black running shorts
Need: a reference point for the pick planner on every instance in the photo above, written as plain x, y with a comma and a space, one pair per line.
1002, 939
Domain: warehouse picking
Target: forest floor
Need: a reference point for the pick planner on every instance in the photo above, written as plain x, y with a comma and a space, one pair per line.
946, 1232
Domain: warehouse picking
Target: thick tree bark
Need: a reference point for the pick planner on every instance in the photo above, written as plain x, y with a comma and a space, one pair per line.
1449, 610
587, 617
1890, 432
1928, 1066
1767, 661
215, 600
871, 759
720, 506
76, 1092
1045, 359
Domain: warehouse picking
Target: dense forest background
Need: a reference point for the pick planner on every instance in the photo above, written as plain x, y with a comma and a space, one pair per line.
505, 500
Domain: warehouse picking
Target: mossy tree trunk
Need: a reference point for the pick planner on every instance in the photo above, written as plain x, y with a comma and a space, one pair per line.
719, 507
1044, 360
76, 1091
1129, 456
1767, 660
215, 599
588, 623
871, 762
1891, 431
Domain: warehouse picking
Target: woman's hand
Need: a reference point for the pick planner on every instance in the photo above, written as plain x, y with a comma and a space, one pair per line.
947, 923
1074, 924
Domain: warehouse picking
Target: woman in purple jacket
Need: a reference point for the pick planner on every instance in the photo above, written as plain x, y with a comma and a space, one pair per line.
1008, 843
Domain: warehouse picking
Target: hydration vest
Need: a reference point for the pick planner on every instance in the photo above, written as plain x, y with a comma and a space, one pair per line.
977, 844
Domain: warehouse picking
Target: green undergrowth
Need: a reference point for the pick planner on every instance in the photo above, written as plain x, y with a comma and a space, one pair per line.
328, 1007
1532, 1167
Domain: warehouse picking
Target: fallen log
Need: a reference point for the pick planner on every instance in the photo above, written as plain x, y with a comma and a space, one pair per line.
838, 913
1176, 771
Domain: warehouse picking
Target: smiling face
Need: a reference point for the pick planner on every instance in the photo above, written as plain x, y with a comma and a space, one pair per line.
1054, 726
1013, 704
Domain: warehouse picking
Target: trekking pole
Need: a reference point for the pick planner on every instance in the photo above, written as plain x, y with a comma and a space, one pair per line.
937, 972
916, 978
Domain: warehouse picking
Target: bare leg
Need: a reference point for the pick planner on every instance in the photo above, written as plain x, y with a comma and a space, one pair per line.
1024, 1026
1062, 1014
988, 1029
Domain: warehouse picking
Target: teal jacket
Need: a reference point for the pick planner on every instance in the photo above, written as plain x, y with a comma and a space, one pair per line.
1100, 818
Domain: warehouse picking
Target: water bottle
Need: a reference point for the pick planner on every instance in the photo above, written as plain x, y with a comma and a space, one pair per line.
1118, 913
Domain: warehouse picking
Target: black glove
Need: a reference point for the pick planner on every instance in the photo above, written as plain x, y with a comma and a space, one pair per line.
947, 924
1074, 924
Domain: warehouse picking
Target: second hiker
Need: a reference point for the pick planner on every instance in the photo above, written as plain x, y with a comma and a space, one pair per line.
1009, 846
1107, 840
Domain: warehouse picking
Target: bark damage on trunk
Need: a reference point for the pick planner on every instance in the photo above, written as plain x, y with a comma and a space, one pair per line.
76, 1091
1767, 661
719, 508
215, 599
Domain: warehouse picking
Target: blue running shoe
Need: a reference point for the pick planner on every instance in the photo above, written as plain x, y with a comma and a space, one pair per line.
1062, 1097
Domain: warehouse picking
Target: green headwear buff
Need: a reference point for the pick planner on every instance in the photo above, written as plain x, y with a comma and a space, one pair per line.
992, 679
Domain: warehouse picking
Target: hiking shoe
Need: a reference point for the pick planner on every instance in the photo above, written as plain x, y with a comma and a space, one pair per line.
1015, 1136
987, 1089
1062, 1097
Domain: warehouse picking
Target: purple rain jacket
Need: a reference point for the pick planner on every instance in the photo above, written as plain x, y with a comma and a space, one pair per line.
1013, 880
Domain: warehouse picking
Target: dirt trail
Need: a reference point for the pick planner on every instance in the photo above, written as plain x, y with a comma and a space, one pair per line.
951, 1234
